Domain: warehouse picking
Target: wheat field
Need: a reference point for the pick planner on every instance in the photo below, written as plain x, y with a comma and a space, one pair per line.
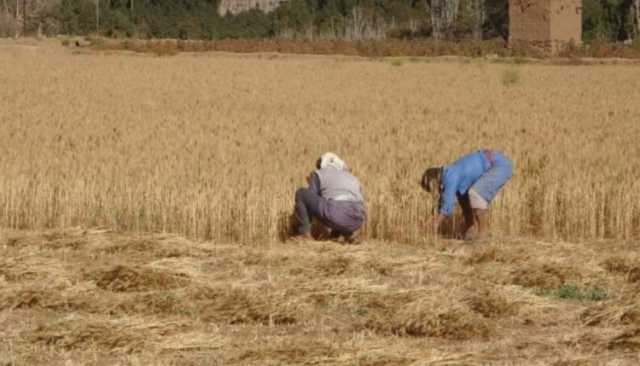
213, 146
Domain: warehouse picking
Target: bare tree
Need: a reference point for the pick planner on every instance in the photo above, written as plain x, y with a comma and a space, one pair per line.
7, 21
479, 15
97, 16
443, 18
35, 15
24, 17
17, 17
636, 9
364, 25
436, 18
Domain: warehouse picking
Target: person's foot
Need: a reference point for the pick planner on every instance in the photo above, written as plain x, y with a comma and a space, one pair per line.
353, 240
345, 237
301, 238
475, 237
481, 223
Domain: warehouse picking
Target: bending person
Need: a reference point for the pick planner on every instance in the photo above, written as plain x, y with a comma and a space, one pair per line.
334, 197
474, 180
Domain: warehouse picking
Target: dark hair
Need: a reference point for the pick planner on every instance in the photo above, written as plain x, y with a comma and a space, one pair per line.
430, 175
318, 163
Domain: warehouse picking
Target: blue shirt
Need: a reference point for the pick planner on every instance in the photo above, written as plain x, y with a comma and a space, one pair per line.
459, 176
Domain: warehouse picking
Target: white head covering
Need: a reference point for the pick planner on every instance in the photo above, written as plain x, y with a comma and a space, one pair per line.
330, 159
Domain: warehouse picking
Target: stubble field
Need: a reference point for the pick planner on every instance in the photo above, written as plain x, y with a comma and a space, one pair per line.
94, 297
96, 147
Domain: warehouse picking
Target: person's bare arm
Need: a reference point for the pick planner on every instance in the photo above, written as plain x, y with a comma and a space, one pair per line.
440, 221
434, 223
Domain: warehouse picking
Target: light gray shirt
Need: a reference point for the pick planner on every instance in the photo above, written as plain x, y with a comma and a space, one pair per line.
339, 185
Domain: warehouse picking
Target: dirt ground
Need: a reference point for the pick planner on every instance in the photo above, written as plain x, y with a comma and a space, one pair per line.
103, 298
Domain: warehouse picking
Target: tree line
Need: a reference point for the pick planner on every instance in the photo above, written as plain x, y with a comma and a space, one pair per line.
603, 20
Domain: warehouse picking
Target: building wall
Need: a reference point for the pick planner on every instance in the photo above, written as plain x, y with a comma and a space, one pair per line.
545, 23
529, 21
566, 21
238, 6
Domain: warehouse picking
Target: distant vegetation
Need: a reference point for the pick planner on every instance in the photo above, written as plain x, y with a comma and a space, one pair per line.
417, 49
603, 20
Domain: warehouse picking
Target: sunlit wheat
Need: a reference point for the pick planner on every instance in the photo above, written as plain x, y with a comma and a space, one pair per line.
213, 146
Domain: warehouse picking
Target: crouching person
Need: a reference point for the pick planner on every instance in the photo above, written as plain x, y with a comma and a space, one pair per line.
334, 197
474, 180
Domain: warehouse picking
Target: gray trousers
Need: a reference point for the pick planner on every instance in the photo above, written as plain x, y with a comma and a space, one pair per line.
307, 207
343, 217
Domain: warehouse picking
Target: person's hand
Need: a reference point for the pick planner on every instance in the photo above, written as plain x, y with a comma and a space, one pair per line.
427, 224
432, 224
441, 220
309, 178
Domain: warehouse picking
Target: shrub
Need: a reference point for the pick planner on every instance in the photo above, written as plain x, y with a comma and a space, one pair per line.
571, 291
510, 76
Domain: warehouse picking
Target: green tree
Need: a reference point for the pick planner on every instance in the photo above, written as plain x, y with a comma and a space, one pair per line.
497, 21
293, 16
77, 16
607, 20
251, 24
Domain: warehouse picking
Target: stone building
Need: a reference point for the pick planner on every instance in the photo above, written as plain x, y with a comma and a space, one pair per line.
548, 24
238, 6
